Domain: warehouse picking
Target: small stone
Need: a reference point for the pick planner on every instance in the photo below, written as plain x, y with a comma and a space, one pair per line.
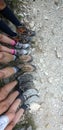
31, 24
58, 53
46, 73
35, 11
34, 107
46, 18
50, 80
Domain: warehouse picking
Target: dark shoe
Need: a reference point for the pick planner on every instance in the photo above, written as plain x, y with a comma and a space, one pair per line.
24, 86
24, 79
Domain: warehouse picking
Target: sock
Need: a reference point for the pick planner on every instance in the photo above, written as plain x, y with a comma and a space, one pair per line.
6, 29
13, 52
16, 69
15, 57
7, 13
13, 43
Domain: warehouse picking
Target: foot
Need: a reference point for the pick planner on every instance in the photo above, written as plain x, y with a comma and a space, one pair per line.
26, 58
9, 71
24, 31
23, 79
30, 98
19, 52
23, 46
6, 58
22, 39
27, 67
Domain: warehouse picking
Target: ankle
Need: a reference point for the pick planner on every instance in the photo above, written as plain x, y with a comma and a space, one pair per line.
2, 6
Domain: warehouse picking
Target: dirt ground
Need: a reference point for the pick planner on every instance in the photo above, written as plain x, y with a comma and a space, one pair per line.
46, 18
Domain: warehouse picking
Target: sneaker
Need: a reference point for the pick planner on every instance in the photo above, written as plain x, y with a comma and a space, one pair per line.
23, 46
22, 59
26, 86
21, 52
22, 39
27, 67
22, 79
25, 58
30, 97
24, 31
23, 86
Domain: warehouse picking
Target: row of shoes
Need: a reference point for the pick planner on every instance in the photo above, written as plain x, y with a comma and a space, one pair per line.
28, 94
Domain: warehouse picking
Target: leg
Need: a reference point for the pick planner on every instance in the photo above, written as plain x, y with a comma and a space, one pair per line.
16, 119
4, 91
2, 4
6, 29
7, 40
17, 45
6, 58
5, 104
6, 49
9, 71
6, 12
13, 51
1, 75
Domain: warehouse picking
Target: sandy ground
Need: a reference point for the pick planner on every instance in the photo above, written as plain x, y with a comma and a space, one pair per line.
46, 18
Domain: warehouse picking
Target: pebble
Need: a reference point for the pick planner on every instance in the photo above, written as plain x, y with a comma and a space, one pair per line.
34, 107
46, 18
31, 24
50, 80
35, 11
58, 53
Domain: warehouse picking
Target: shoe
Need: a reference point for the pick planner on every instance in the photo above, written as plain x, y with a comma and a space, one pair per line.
25, 39
19, 52
24, 78
27, 67
25, 58
24, 31
26, 86
22, 59
22, 39
29, 98
23, 46
23, 86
